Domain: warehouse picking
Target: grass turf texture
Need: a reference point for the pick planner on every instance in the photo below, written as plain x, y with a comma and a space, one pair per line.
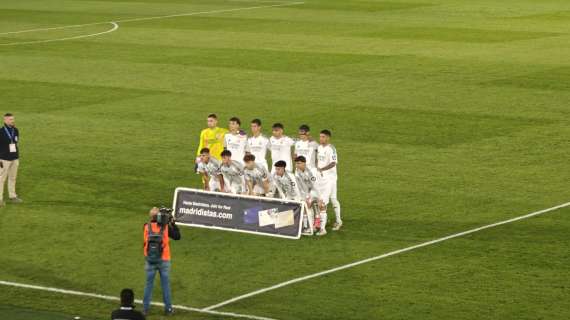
447, 115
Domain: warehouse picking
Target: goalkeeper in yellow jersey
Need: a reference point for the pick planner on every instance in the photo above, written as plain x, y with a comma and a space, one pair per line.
212, 138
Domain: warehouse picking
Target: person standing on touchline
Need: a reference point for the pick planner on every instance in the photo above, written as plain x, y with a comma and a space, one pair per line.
9, 158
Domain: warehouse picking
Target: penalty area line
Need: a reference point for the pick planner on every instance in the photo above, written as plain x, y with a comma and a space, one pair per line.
112, 298
114, 28
382, 256
125, 20
116, 23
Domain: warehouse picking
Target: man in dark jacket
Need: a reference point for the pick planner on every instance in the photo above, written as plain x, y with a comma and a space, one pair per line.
127, 309
9, 158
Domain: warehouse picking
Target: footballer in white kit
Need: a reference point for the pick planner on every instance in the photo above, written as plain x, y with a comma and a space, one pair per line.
327, 161
307, 147
232, 172
283, 183
256, 177
280, 146
307, 185
257, 144
209, 168
236, 140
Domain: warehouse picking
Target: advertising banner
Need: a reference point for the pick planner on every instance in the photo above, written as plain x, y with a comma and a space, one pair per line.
240, 213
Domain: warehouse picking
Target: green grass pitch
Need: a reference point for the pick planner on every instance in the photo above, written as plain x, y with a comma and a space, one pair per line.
447, 115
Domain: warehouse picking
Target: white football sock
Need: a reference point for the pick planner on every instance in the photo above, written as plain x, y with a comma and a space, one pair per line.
311, 219
323, 219
336, 207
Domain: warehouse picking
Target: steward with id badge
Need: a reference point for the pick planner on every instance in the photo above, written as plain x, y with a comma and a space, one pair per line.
9, 158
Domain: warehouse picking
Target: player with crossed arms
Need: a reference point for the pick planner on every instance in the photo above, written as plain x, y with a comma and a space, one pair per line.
307, 147
236, 140
280, 147
258, 144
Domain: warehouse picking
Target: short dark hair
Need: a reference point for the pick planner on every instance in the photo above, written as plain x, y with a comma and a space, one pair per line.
127, 297
256, 121
280, 164
204, 150
235, 119
8, 115
277, 125
248, 158
301, 159
304, 127
226, 153
213, 115
326, 132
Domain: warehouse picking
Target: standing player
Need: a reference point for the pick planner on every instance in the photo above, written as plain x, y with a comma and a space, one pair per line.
283, 183
232, 171
236, 140
256, 177
257, 144
212, 138
307, 180
307, 147
326, 166
280, 146
209, 168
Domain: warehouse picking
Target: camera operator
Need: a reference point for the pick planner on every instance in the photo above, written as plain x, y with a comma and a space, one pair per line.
157, 254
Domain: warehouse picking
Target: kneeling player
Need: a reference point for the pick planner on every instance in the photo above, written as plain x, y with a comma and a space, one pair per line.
209, 168
306, 181
256, 177
283, 183
232, 171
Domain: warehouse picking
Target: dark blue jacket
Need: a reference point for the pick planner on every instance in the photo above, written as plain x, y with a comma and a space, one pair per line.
5, 142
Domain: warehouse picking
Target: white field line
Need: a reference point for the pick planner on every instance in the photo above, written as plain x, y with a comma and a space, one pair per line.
115, 27
111, 298
154, 18
208, 12
382, 256
260, 1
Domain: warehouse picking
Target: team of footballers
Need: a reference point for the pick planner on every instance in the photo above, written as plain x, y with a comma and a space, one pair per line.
231, 161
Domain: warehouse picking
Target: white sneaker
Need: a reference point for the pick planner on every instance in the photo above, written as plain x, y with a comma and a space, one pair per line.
321, 232
337, 226
16, 200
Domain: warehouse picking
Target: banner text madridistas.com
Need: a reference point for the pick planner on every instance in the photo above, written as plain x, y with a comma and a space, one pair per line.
212, 210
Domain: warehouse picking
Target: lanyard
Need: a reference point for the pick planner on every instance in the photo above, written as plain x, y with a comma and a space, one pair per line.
10, 136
